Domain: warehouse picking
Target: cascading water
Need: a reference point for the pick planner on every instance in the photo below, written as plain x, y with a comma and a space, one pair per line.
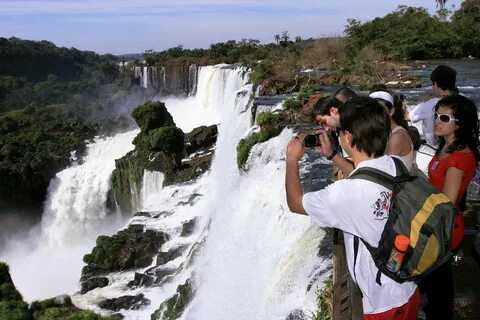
257, 260
75, 213
145, 77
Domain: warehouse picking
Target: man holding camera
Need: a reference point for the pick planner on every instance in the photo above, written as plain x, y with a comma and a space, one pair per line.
352, 206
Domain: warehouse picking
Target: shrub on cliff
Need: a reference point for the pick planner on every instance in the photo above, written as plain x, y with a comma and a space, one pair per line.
152, 115
174, 307
246, 144
268, 119
12, 306
167, 139
129, 248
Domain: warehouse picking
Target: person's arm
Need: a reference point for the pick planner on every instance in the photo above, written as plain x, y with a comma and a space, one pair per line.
343, 164
326, 149
293, 186
453, 181
418, 113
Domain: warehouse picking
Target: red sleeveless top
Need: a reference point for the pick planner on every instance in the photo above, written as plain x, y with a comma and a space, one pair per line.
437, 172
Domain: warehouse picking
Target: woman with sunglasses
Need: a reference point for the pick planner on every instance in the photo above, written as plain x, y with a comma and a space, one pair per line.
450, 171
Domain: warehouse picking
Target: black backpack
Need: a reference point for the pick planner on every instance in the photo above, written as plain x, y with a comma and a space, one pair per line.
418, 211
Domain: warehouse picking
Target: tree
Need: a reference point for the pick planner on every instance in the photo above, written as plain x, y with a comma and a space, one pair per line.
441, 3
277, 38
466, 24
285, 37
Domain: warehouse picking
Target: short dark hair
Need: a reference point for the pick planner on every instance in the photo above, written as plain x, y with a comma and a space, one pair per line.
445, 77
324, 107
369, 124
345, 92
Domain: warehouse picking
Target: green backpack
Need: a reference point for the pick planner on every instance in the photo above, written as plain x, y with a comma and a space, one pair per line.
418, 211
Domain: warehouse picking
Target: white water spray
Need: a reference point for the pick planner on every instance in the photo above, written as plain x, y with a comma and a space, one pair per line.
49, 263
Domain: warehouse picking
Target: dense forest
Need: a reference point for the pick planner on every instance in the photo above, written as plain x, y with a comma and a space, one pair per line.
37, 73
53, 100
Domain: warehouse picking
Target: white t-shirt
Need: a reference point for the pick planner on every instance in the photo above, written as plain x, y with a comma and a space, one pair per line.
424, 112
359, 207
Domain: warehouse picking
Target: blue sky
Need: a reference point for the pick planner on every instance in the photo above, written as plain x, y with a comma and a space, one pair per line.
129, 26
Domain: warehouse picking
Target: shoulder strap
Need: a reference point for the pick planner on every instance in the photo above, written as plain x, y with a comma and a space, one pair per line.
382, 178
375, 176
402, 171
355, 254
373, 253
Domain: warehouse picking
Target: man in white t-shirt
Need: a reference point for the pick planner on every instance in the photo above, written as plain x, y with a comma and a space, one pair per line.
443, 84
357, 207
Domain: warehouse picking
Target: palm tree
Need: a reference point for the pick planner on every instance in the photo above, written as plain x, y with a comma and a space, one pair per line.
440, 3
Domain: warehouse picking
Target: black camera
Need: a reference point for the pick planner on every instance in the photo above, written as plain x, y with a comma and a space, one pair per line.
312, 141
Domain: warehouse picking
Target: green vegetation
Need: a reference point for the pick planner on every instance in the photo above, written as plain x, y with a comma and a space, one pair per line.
12, 305
152, 115
246, 144
271, 124
51, 100
324, 301
129, 248
278, 62
412, 33
167, 139
158, 147
39, 73
173, 308
268, 119
296, 101
35, 143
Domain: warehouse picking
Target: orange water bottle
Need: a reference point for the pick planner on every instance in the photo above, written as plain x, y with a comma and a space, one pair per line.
400, 247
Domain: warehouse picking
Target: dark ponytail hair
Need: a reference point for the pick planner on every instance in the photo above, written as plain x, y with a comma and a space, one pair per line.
398, 112
465, 111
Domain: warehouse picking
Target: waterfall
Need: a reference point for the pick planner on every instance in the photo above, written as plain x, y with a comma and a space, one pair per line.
216, 94
192, 79
152, 185
259, 258
145, 79
74, 214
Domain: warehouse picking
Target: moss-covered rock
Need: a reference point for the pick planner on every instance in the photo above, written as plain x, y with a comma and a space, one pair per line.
12, 305
201, 138
62, 308
8, 292
128, 175
93, 283
174, 307
125, 302
14, 310
246, 144
152, 115
158, 147
128, 249
167, 139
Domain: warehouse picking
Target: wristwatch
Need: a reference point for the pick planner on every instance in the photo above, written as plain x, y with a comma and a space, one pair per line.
331, 156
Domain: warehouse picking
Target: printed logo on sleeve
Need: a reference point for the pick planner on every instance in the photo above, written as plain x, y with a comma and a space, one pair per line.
381, 207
